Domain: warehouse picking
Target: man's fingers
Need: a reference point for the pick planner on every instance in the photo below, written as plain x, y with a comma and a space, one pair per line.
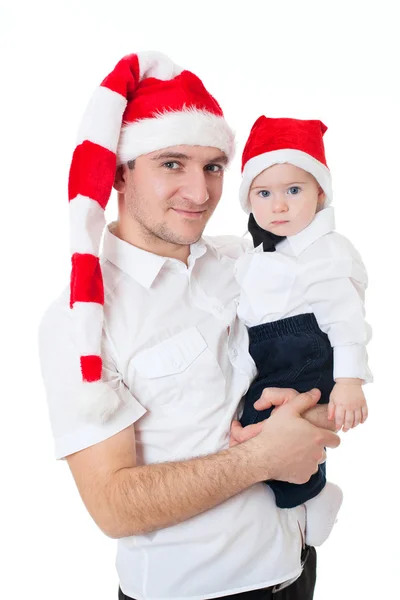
251, 431
329, 439
303, 402
274, 397
236, 429
241, 434
318, 415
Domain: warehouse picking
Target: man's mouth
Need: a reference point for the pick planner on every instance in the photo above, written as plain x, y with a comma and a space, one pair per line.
190, 214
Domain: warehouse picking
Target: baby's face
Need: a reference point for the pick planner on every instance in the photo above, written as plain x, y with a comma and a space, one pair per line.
284, 199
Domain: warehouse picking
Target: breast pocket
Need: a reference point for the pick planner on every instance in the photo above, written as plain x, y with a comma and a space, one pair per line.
179, 374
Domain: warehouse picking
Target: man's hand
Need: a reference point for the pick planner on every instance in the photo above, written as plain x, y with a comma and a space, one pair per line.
317, 415
289, 448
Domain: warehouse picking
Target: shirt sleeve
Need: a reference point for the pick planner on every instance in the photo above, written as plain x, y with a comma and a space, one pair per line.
230, 245
59, 361
334, 285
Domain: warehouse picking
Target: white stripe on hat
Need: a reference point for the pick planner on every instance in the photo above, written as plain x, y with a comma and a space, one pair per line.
102, 118
87, 222
88, 326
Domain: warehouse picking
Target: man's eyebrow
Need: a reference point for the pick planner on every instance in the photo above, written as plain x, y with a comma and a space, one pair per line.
221, 158
164, 155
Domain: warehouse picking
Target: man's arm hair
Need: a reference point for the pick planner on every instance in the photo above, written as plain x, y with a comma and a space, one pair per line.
125, 499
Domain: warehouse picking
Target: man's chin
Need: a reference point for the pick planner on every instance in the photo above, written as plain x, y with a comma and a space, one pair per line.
179, 237
187, 235
189, 239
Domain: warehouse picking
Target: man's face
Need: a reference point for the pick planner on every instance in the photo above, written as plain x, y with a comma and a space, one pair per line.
284, 199
172, 193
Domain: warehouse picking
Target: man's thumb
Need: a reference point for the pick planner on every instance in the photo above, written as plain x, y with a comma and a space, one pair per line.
303, 402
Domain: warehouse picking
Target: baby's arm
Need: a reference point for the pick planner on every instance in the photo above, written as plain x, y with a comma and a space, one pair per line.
334, 286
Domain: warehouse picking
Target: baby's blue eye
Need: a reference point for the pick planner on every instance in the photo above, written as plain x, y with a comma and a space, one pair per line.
264, 193
294, 190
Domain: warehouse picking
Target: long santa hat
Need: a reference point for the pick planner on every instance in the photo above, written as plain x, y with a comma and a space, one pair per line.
146, 103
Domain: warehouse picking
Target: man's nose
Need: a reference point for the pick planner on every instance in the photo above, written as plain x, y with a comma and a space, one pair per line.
195, 187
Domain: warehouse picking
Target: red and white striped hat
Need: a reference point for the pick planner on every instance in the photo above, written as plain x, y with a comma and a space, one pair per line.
146, 103
276, 141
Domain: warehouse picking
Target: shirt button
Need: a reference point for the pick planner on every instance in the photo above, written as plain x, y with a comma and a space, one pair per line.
234, 353
218, 309
176, 363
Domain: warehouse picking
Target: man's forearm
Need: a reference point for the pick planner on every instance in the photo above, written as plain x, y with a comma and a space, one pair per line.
151, 497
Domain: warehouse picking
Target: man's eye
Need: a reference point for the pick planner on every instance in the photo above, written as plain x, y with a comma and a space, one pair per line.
294, 190
264, 193
214, 168
171, 165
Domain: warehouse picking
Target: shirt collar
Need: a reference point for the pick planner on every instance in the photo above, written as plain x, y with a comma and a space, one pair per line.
323, 223
139, 264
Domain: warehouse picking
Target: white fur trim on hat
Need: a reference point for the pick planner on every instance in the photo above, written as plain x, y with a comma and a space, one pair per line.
300, 159
190, 127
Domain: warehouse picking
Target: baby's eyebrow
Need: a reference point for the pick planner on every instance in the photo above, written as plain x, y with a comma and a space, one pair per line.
262, 187
296, 183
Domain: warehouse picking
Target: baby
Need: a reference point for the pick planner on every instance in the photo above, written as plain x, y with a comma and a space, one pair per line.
302, 294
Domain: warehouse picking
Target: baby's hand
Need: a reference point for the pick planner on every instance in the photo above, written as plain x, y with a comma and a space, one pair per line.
347, 404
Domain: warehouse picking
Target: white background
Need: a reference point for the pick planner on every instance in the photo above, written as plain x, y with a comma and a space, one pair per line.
321, 60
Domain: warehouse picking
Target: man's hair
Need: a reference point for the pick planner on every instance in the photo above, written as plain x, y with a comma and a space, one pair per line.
131, 164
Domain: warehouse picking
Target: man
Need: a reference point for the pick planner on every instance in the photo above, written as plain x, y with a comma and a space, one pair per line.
144, 376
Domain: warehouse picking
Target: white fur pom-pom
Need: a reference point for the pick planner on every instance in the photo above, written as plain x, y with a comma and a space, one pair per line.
98, 401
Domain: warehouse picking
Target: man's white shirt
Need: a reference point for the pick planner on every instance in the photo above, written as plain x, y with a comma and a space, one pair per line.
176, 353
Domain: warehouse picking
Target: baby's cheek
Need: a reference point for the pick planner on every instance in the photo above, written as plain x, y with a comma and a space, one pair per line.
261, 213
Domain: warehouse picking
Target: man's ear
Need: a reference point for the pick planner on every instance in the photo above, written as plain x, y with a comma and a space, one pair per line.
120, 179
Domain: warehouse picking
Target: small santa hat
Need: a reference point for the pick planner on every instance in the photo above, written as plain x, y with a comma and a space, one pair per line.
276, 141
146, 103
